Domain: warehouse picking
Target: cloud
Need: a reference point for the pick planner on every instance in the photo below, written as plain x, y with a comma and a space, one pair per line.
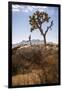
39, 7
16, 10
26, 9
44, 7
17, 6
29, 8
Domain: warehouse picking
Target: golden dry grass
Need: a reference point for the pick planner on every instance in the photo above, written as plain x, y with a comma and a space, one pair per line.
27, 79
35, 65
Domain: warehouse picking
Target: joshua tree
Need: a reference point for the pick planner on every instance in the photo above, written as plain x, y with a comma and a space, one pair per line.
30, 39
37, 20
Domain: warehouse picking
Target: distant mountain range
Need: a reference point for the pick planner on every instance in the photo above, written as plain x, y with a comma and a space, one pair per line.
33, 42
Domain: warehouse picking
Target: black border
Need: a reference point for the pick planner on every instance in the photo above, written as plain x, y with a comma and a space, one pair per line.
10, 41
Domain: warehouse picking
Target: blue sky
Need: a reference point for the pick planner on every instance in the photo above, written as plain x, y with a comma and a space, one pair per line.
21, 26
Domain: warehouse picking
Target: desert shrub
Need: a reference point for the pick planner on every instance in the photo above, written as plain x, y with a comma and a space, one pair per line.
18, 69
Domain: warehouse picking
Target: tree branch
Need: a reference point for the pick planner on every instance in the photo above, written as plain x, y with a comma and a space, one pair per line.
41, 31
40, 28
49, 27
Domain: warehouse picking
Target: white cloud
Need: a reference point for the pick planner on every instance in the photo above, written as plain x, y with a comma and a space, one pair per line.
18, 6
39, 7
44, 7
29, 8
24, 8
35, 7
16, 10
15, 6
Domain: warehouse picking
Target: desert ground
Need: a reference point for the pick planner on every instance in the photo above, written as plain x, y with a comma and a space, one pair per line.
35, 64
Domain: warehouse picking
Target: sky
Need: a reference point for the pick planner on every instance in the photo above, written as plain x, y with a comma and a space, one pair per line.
21, 27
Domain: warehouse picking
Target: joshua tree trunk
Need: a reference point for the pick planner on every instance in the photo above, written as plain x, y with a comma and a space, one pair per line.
30, 39
30, 42
44, 36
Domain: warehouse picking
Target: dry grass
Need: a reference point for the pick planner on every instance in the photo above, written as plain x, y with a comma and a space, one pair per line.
27, 79
35, 65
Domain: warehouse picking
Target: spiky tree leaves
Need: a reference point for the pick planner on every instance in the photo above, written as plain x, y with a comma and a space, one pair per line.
36, 21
